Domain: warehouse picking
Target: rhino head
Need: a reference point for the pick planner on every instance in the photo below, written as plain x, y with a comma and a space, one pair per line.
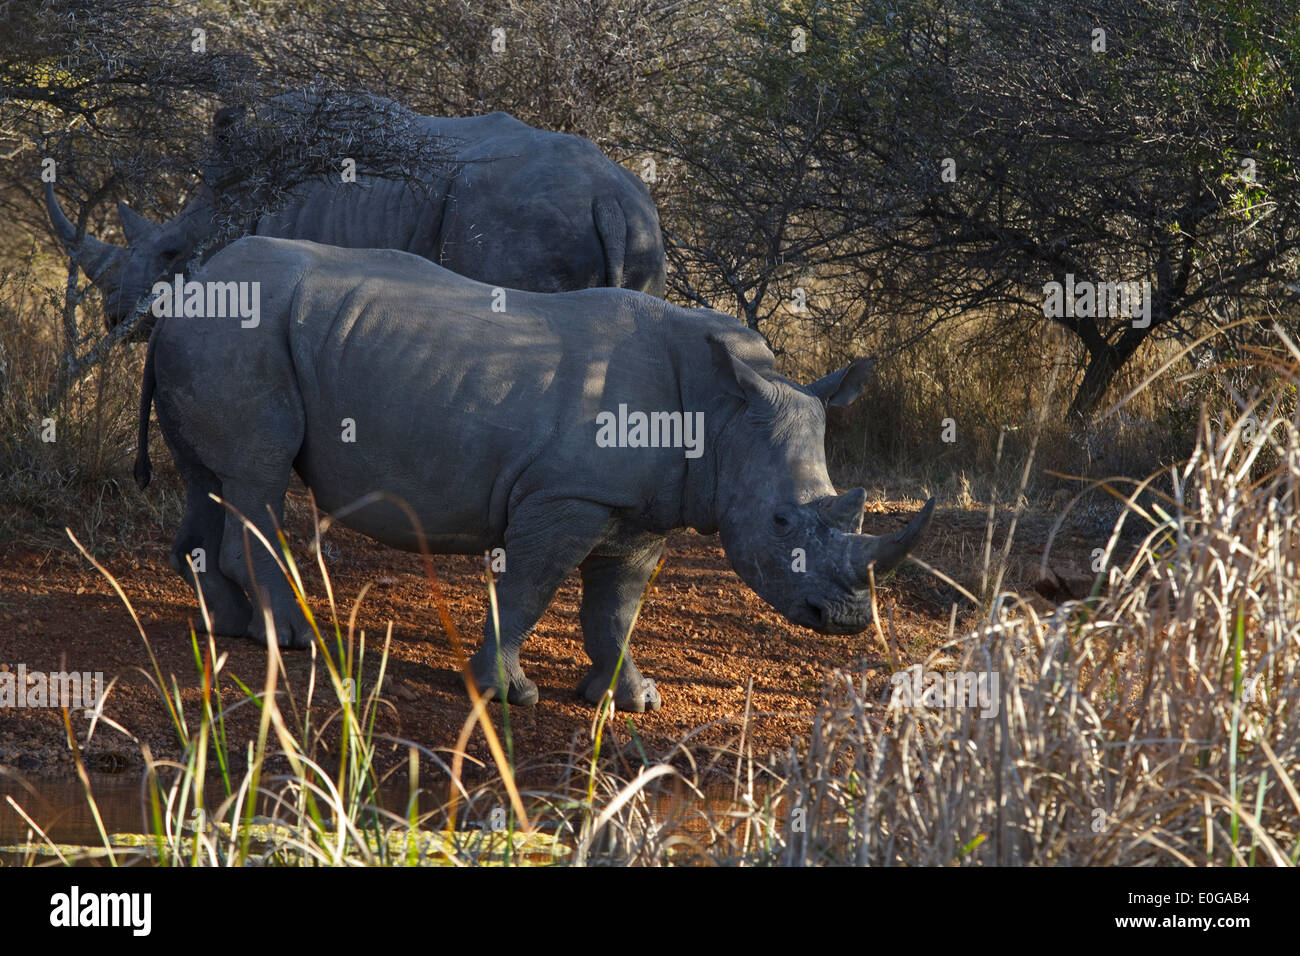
787, 533
125, 274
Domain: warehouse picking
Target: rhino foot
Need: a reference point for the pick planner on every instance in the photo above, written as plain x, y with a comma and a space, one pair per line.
520, 691
634, 694
294, 637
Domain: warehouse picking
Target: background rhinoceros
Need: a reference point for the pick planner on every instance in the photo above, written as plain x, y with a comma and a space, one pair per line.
373, 371
513, 206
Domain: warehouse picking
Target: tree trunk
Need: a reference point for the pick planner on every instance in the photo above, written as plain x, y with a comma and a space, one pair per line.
1103, 365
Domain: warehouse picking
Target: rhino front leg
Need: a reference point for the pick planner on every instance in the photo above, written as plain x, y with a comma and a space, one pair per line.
544, 542
611, 590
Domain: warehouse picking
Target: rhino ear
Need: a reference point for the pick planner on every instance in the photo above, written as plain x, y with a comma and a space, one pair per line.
137, 228
843, 386
227, 128
225, 124
738, 378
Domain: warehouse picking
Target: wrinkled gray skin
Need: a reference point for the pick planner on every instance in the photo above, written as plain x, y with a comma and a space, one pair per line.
485, 423
529, 209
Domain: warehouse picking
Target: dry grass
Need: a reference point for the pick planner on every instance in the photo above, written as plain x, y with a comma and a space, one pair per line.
955, 385
82, 477
1154, 724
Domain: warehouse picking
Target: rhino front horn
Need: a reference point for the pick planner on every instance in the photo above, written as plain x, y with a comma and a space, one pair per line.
887, 551
94, 257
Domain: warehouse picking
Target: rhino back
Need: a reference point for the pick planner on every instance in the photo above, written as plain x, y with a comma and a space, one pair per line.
368, 214
461, 410
518, 209
526, 199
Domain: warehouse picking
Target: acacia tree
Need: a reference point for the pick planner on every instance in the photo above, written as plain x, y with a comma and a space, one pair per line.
1119, 140
771, 210
573, 66
940, 157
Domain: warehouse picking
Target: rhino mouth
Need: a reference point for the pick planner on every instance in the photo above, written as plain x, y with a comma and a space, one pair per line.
837, 617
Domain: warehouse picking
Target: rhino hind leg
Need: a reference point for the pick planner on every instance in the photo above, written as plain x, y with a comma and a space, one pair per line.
611, 590
236, 434
544, 542
198, 543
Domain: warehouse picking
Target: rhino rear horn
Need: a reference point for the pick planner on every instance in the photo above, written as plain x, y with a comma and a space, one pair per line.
845, 511
94, 257
887, 551
135, 226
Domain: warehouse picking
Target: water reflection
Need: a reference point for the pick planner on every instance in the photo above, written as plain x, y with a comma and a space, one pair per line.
58, 806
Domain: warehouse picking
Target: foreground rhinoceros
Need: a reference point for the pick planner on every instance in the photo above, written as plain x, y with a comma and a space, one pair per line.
515, 206
574, 430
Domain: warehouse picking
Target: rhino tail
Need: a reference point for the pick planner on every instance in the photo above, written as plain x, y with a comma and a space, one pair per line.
611, 226
143, 467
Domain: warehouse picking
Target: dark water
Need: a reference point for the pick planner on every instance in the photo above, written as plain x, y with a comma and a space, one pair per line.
58, 805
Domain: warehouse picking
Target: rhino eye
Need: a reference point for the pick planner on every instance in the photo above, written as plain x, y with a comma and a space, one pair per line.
782, 521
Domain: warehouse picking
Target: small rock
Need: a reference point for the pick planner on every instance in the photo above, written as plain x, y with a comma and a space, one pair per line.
112, 761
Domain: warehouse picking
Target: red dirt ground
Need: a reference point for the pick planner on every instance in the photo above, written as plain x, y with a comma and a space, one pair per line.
702, 635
